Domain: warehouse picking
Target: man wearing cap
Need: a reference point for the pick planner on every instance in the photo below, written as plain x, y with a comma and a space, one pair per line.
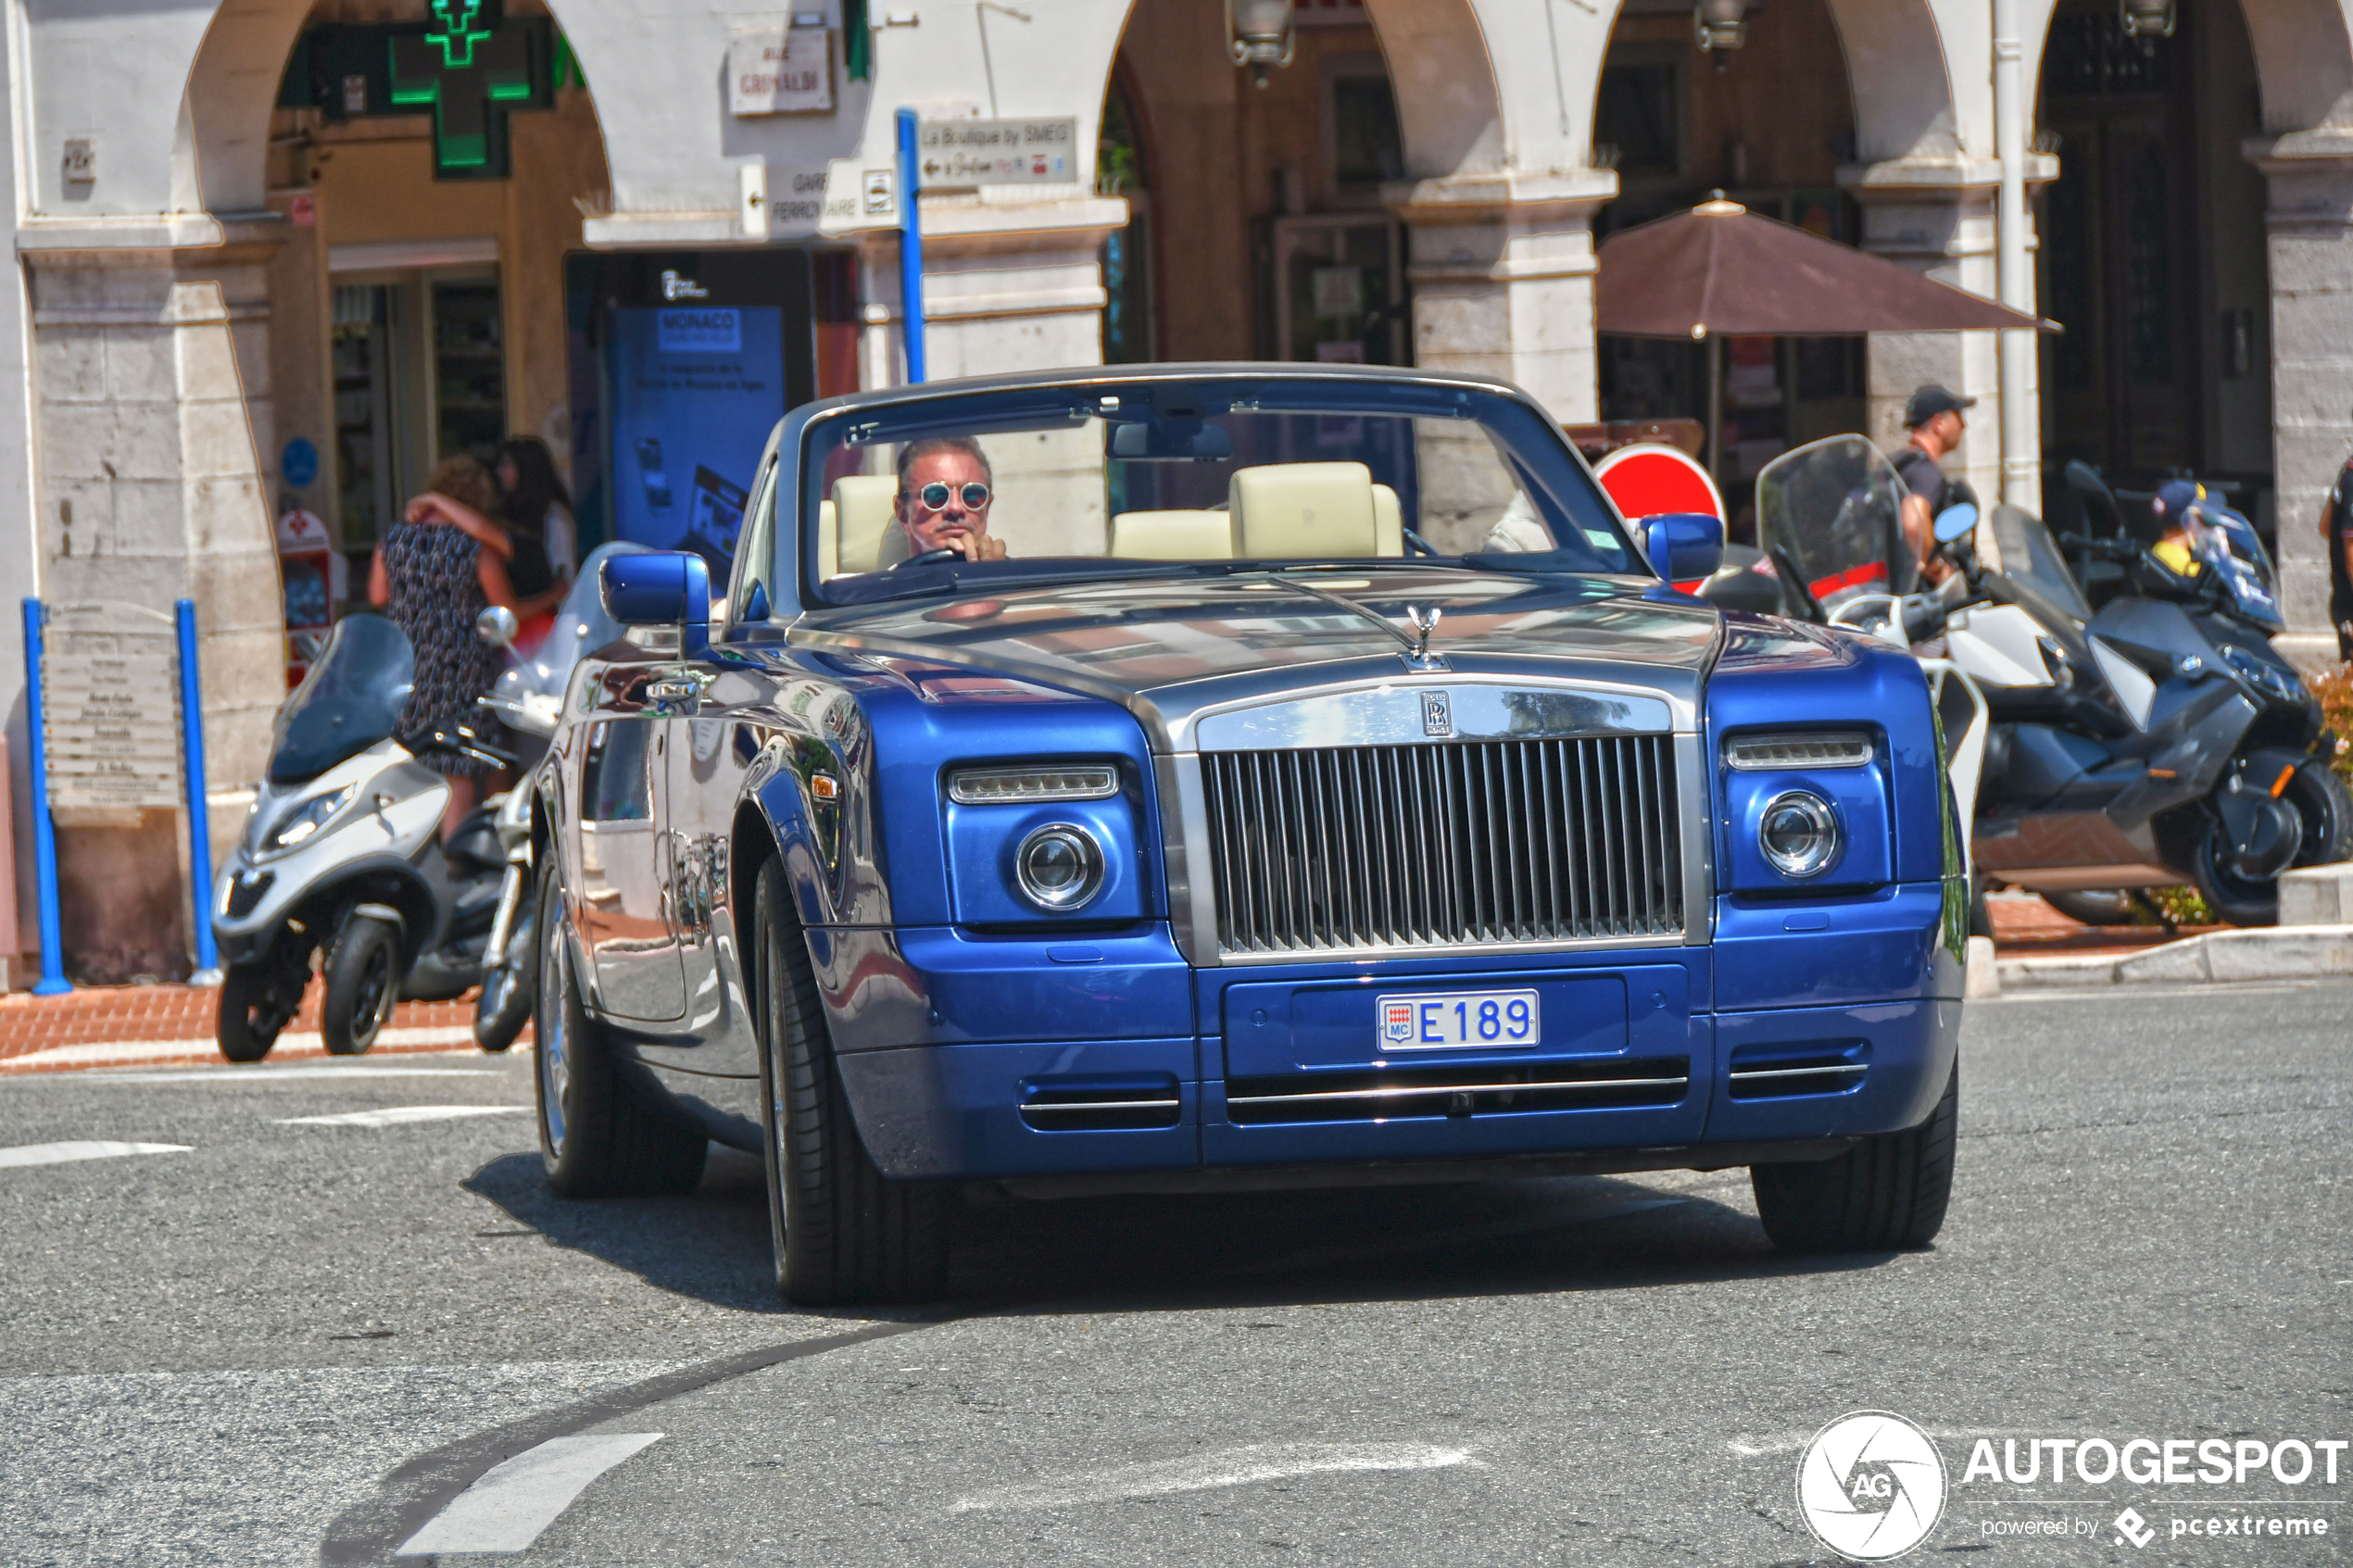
1934, 418
2336, 532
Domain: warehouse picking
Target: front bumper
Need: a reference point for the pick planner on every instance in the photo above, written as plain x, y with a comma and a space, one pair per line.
1795, 1027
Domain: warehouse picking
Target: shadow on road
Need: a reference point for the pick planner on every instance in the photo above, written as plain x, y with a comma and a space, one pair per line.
1159, 1253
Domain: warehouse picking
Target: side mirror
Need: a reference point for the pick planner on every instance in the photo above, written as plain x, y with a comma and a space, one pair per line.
660, 588
1684, 546
1956, 523
497, 626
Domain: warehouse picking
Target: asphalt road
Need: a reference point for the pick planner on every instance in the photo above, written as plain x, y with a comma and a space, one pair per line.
295, 1342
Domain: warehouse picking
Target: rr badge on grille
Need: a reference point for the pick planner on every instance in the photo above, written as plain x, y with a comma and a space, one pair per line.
1438, 715
1397, 1018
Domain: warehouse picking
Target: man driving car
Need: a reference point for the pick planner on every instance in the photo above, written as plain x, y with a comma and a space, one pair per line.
944, 495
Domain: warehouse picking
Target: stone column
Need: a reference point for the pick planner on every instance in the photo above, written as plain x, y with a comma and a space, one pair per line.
1503, 272
1936, 217
2310, 226
151, 408
1013, 281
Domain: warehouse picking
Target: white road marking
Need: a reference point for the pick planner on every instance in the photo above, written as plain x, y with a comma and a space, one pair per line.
103, 1052
393, 1115
228, 1074
508, 1507
60, 1153
1229, 1467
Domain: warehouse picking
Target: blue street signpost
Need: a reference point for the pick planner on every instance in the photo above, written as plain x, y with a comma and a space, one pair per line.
911, 250
114, 745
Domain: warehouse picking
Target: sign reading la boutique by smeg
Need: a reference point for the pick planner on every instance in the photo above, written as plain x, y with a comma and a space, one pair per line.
780, 70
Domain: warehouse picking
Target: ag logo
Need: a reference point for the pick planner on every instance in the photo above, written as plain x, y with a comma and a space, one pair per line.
1870, 1486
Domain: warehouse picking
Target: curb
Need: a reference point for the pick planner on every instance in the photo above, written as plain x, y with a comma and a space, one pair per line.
2290, 952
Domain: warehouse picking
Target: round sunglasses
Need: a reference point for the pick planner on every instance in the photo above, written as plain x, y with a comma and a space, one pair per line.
973, 493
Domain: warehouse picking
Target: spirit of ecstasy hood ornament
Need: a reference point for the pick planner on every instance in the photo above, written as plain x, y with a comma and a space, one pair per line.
1423, 622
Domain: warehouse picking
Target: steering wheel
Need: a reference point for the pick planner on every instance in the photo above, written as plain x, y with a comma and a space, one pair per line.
930, 558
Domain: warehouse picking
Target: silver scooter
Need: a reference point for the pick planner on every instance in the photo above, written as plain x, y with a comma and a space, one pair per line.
528, 699
342, 855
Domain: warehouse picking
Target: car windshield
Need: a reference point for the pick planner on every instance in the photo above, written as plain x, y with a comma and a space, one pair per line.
1107, 479
352, 698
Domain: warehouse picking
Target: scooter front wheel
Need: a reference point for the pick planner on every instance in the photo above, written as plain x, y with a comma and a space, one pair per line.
363, 980
508, 991
253, 1011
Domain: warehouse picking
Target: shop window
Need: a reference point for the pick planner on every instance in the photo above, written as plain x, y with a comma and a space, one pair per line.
1366, 145
360, 350
469, 371
1638, 114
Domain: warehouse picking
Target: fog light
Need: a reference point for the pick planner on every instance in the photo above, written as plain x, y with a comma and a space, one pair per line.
1059, 867
1798, 833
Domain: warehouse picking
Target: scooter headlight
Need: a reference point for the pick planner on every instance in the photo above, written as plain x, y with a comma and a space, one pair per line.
2263, 675
307, 821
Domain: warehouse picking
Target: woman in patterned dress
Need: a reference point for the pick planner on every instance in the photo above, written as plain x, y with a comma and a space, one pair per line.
433, 576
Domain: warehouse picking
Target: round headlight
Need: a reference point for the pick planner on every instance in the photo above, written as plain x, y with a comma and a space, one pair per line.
1059, 867
1798, 833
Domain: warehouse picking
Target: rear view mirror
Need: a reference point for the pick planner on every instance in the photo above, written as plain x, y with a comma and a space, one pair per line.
660, 588
1683, 546
1956, 523
1175, 440
496, 626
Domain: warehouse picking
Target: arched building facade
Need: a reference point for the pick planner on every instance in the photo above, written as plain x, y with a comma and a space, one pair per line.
248, 227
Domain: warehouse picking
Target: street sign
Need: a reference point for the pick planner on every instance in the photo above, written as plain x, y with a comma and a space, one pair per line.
998, 152
110, 708
780, 70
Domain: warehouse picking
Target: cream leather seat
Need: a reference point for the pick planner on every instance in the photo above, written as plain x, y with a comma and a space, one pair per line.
1389, 521
1304, 511
828, 541
863, 522
1173, 535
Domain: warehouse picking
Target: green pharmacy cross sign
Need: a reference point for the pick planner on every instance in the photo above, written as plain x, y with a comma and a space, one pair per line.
472, 73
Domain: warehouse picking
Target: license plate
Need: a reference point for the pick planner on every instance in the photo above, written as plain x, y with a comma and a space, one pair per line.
1459, 1021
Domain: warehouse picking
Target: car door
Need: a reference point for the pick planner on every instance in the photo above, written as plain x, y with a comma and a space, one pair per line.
626, 874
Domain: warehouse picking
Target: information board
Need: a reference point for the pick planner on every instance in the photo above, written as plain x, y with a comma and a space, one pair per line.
110, 707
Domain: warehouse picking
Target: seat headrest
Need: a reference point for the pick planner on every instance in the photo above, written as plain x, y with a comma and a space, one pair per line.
1173, 535
1389, 521
1309, 511
828, 541
862, 513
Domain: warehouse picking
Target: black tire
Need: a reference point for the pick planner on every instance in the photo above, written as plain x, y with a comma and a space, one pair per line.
596, 1138
844, 1235
1886, 1195
504, 1006
257, 1003
363, 983
2322, 801
1981, 914
2095, 906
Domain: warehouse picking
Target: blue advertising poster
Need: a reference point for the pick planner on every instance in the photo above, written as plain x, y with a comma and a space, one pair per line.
696, 388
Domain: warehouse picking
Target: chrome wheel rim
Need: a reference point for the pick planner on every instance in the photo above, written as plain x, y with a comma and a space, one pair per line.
555, 1066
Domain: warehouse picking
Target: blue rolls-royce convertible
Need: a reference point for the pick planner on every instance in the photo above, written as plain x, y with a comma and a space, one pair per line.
1191, 779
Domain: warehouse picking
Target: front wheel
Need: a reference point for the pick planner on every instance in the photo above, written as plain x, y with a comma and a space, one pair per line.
2324, 817
1887, 1194
363, 981
596, 1138
257, 1003
504, 1006
844, 1233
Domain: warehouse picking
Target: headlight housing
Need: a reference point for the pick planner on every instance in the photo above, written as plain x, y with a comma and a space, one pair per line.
1799, 835
2262, 674
1059, 867
305, 820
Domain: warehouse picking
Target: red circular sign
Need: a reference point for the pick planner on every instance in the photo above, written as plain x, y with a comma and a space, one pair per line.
1647, 480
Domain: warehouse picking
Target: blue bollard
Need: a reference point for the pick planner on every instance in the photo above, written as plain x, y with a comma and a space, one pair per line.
199, 821
44, 832
911, 251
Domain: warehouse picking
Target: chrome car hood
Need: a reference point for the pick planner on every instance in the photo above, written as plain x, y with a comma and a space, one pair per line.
1175, 650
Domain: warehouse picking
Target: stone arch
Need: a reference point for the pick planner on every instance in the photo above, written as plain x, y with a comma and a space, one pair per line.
1898, 67
1449, 111
2303, 62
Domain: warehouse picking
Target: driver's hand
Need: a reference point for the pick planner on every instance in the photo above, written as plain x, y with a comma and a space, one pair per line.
978, 547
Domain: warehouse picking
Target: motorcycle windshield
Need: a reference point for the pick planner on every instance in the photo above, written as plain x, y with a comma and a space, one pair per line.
2227, 544
2030, 555
1834, 509
581, 627
352, 698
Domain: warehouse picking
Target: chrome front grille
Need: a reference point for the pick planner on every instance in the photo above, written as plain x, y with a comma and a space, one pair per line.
1431, 846
1469, 1089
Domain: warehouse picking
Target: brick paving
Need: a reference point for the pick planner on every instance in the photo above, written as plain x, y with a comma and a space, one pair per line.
136, 1026
2025, 927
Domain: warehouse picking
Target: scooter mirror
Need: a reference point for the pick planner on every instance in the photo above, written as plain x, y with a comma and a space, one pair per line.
496, 626
1956, 523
